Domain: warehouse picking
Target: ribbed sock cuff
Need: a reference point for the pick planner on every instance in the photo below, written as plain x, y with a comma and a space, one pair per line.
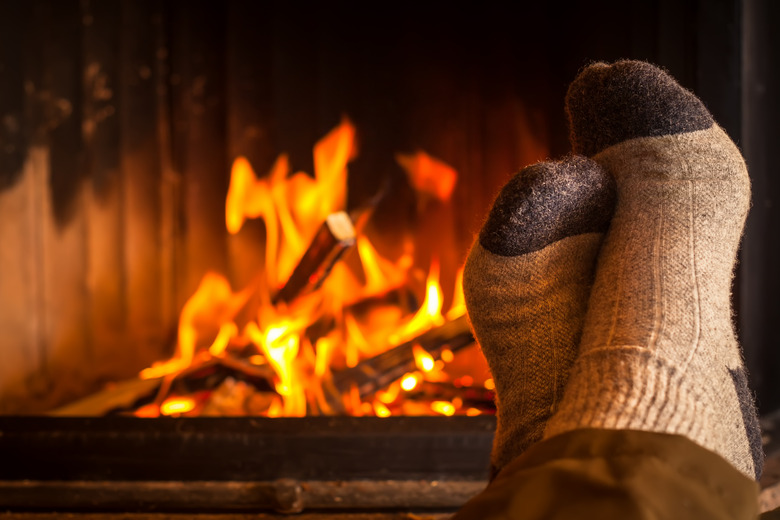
631, 388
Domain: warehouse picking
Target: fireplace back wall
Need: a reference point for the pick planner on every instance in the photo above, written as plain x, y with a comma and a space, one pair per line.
119, 122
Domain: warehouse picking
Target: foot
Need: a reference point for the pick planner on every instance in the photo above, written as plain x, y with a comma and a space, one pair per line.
658, 351
527, 281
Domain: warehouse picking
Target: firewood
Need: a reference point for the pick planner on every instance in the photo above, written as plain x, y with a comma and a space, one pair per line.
381, 370
335, 236
469, 396
120, 395
204, 367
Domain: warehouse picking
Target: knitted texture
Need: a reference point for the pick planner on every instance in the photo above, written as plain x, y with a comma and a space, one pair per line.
527, 281
620, 102
658, 351
547, 202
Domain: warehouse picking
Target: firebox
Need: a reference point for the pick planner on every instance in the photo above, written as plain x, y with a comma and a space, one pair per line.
223, 209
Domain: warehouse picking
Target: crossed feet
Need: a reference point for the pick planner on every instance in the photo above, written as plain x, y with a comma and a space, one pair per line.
595, 319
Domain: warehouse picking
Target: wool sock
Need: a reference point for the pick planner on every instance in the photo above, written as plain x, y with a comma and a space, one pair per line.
526, 283
658, 350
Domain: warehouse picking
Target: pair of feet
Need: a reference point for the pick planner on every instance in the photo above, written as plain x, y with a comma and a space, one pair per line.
599, 287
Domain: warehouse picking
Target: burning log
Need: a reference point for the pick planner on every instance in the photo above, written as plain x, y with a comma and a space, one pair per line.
468, 396
334, 237
122, 395
206, 373
234, 398
381, 370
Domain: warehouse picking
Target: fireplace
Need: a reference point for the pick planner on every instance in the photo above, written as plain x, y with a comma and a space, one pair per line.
121, 122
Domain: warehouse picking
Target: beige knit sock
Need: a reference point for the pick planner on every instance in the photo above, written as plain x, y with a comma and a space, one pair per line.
658, 351
527, 281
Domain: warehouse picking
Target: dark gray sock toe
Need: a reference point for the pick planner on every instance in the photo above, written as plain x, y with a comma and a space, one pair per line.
547, 202
608, 104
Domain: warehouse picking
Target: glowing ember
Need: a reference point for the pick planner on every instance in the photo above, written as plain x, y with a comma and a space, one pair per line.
443, 407
381, 410
408, 383
391, 394
465, 381
148, 411
422, 359
177, 405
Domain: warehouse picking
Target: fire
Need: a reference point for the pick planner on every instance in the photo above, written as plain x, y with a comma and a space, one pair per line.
381, 274
408, 383
429, 314
212, 306
381, 410
422, 359
177, 405
226, 332
443, 408
291, 206
280, 344
299, 345
458, 307
428, 174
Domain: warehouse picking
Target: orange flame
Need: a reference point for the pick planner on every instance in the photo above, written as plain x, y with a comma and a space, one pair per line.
389, 395
458, 306
428, 174
443, 407
226, 331
213, 305
280, 345
331, 155
291, 206
422, 359
381, 410
381, 274
429, 314
324, 352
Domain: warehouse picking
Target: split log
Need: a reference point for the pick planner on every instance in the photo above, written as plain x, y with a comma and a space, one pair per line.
122, 395
206, 372
198, 376
381, 370
471, 396
335, 236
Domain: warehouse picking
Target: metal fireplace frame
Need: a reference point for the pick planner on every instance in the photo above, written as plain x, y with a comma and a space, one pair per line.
326, 465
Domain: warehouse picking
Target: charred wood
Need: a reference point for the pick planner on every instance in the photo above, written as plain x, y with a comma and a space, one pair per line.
381, 370
335, 236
